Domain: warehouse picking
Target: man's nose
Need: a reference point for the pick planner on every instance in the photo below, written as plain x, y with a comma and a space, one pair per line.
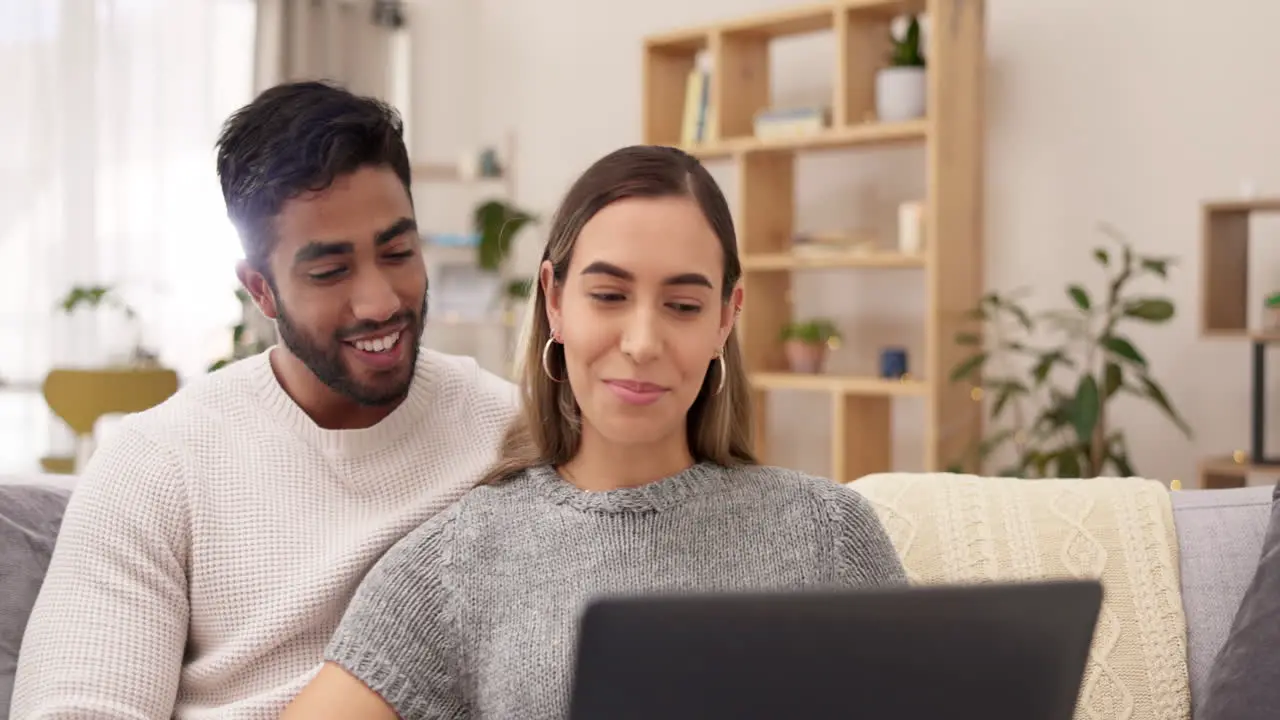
374, 297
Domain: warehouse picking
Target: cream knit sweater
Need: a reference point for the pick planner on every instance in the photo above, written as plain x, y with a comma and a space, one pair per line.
213, 543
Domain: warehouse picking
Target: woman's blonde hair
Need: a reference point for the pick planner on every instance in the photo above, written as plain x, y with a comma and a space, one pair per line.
548, 429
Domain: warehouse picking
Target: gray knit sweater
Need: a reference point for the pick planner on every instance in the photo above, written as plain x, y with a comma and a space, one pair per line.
474, 613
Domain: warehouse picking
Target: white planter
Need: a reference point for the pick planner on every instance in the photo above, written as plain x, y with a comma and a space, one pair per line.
901, 93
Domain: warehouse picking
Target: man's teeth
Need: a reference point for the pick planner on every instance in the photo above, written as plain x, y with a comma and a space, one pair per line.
381, 344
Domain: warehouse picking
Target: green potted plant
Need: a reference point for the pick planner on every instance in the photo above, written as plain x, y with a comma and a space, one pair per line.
902, 87
1271, 310
496, 225
244, 341
95, 297
806, 343
1051, 376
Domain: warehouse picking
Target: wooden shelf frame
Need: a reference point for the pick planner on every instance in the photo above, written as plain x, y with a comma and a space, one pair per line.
1224, 279
1224, 314
952, 260
1233, 471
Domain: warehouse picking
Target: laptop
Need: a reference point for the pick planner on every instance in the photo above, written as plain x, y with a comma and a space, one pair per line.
992, 651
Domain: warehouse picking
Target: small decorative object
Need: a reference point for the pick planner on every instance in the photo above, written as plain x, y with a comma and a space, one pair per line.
893, 363
806, 343
911, 228
1271, 313
388, 13
901, 88
468, 165
489, 165
1051, 375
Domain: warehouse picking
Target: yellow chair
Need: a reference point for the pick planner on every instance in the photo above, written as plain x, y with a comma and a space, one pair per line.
81, 397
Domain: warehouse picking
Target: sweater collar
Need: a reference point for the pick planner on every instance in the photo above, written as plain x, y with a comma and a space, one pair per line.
698, 479
352, 442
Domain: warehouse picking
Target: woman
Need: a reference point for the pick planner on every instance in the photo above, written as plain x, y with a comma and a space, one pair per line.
629, 471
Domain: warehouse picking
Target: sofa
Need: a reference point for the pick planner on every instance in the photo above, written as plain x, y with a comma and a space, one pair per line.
1174, 564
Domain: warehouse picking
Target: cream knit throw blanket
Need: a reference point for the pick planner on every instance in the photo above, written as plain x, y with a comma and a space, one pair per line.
950, 528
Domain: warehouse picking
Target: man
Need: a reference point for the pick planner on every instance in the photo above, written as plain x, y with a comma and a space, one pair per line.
213, 543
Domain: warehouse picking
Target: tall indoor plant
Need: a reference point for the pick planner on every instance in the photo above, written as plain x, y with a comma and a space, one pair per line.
1051, 376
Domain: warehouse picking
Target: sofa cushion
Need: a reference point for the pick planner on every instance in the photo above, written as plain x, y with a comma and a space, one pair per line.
1219, 540
962, 528
30, 516
1244, 682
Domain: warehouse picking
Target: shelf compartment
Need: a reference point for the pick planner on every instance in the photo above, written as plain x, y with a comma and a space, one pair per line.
861, 436
839, 384
833, 139
1232, 471
783, 262
863, 43
1224, 291
668, 60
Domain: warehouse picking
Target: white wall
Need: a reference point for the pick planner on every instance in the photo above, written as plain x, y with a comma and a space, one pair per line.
1124, 112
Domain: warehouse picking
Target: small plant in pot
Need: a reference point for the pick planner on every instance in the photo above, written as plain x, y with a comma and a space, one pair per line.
1271, 306
806, 343
96, 297
901, 88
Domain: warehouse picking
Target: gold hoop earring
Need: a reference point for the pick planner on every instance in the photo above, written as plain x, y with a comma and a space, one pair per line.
720, 357
546, 357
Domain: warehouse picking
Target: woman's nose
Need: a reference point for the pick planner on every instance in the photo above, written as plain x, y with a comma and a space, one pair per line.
640, 338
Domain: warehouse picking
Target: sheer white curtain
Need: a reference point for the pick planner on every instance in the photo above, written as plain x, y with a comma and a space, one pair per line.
110, 111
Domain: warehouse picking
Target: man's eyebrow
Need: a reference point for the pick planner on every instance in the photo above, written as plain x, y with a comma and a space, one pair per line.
398, 228
317, 249
601, 267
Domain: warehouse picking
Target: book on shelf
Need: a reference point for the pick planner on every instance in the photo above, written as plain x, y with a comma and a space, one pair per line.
775, 123
699, 117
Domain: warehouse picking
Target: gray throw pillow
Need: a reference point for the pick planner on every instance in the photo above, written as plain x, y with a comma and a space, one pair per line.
29, 520
1244, 683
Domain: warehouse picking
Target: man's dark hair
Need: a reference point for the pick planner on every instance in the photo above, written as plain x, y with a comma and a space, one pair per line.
296, 138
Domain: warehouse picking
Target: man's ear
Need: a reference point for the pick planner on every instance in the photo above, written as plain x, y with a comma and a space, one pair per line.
552, 292
255, 283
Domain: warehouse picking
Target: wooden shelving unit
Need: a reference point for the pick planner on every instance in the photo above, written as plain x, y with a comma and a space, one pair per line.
952, 260
1224, 314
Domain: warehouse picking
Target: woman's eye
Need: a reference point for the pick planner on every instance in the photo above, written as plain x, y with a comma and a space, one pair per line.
608, 297
686, 308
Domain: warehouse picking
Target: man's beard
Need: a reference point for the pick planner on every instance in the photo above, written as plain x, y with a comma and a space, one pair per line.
326, 363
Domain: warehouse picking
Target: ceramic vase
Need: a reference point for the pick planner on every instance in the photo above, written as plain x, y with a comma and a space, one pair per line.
901, 93
805, 357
